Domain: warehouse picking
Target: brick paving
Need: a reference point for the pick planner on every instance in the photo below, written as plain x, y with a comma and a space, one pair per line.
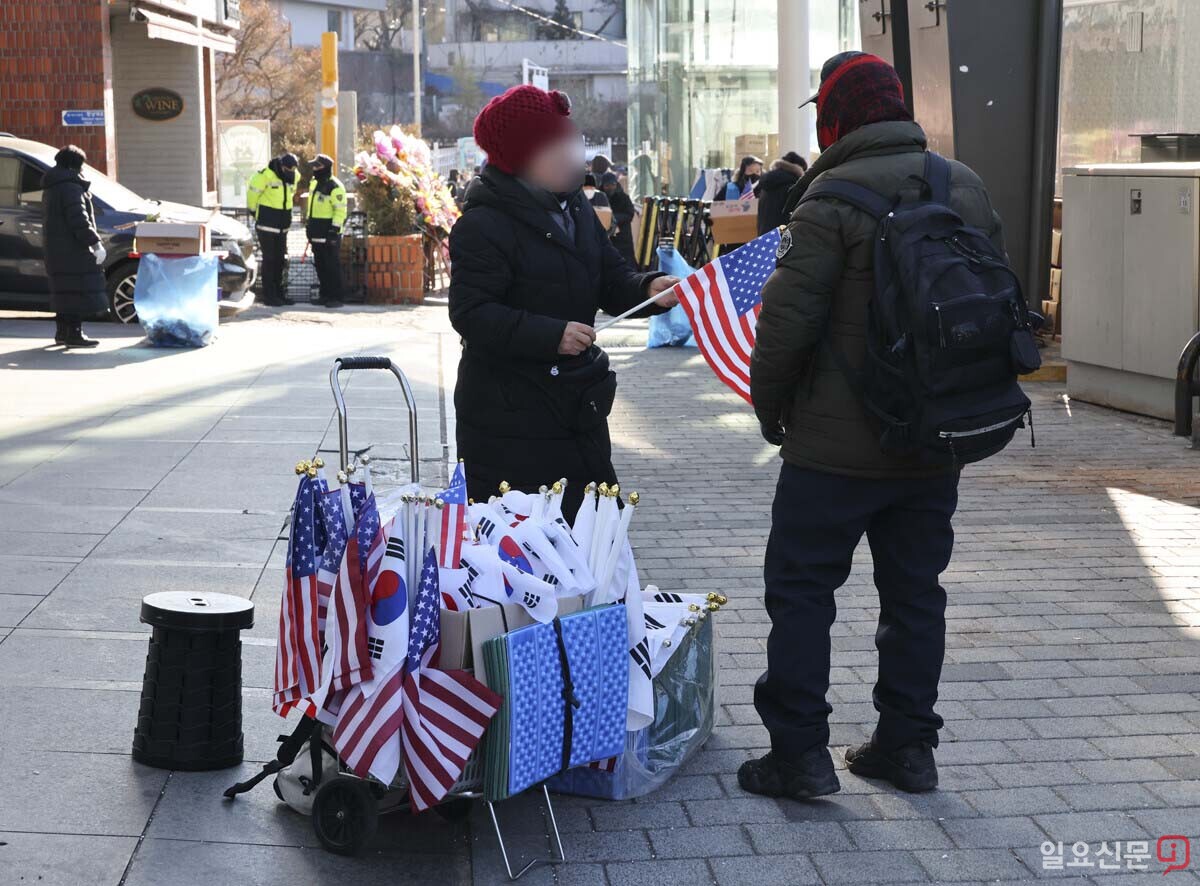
1070, 691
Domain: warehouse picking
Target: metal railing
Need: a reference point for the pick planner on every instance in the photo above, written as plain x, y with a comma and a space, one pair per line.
301, 275
1187, 387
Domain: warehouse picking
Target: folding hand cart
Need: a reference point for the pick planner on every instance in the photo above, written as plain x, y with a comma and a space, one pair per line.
346, 808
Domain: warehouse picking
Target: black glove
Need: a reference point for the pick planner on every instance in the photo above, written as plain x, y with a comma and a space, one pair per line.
773, 434
335, 232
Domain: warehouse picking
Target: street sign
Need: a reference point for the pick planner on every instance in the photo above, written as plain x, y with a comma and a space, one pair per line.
83, 118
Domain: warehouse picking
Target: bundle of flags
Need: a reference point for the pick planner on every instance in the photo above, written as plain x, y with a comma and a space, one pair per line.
366, 579
359, 632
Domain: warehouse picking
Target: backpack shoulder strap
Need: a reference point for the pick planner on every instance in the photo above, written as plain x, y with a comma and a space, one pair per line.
870, 202
937, 174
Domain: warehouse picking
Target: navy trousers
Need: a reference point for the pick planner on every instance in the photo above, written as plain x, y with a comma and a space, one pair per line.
817, 521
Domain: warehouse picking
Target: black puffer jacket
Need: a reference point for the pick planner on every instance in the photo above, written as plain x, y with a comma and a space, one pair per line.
525, 413
622, 232
76, 281
772, 191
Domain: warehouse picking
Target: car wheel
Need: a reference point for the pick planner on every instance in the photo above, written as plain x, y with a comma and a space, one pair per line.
120, 293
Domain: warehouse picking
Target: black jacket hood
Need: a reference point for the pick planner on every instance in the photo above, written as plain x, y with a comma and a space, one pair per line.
61, 175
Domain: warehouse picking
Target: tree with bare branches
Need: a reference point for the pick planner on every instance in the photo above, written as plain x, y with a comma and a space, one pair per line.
266, 78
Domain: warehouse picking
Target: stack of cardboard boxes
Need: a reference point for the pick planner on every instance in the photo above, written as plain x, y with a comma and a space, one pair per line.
1052, 305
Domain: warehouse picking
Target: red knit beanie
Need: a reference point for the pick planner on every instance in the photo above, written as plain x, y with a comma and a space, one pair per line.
857, 89
514, 126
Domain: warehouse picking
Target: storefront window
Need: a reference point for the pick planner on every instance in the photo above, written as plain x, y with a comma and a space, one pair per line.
702, 73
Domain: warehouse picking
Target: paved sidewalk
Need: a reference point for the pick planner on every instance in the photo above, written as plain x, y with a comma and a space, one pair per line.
1070, 691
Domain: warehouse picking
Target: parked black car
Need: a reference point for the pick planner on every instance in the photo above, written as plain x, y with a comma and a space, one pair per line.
23, 282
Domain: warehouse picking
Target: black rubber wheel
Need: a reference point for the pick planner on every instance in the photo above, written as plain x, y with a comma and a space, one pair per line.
454, 810
121, 282
345, 815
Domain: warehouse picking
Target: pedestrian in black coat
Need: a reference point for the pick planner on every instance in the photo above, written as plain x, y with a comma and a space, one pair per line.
772, 190
623, 213
74, 255
530, 266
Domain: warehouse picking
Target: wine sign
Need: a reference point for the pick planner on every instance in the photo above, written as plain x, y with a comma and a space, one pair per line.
157, 104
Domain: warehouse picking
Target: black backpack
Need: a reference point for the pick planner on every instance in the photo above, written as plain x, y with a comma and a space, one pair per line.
948, 330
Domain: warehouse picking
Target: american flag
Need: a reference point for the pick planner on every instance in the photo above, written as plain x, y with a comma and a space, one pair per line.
346, 640
440, 715
722, 301
454, 519
445, 712
298, 652
333, 518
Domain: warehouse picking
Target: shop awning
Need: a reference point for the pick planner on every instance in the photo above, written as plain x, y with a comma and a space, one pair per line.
160, 26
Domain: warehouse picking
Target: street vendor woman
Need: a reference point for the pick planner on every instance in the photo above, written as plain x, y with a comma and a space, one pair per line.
530, 266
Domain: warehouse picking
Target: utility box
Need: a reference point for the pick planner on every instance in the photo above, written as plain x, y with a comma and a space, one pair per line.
1131, 246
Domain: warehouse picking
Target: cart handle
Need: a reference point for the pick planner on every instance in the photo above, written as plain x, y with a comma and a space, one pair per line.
367, 362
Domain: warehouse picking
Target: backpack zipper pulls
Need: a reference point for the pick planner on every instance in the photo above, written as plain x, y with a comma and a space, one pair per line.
886, 226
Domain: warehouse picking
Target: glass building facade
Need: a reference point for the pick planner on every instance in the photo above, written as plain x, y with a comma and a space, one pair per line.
703, 72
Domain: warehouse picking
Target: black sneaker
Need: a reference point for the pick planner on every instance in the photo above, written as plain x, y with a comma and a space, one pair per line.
811, 775
910, 768
330, 303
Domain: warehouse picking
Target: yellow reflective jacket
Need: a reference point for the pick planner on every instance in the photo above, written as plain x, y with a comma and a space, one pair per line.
270, 198
326, 208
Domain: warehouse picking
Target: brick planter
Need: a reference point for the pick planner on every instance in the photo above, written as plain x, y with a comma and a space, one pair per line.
395, 270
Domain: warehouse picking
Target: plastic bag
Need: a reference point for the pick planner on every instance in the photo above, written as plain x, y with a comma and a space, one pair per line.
684, 709
176, 300
672, 329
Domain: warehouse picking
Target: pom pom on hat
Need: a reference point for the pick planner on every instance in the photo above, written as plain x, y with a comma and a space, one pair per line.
514, 126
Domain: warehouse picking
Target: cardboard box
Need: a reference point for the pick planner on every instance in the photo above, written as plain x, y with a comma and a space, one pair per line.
171, 238
604, 213
1052, 312
1056, 248
734, 229
745, 145
1055, 284
464, 633
734, 221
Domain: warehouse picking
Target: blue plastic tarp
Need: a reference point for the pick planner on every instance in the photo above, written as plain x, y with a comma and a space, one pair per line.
176, 300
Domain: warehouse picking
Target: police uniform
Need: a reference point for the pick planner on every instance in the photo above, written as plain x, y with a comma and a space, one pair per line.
269, 196
326, 216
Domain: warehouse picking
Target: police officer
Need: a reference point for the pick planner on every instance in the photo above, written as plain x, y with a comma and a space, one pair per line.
270, 196
326, 215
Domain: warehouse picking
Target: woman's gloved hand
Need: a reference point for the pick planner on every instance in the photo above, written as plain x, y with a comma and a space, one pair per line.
99, 252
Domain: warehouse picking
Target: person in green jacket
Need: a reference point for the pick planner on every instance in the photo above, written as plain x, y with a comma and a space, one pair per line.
326, 217
270, 195
836, 483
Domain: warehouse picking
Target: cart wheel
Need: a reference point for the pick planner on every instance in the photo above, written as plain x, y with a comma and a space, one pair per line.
345, 815
454, 810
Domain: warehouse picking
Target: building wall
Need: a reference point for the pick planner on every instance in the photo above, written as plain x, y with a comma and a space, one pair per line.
1128, 66
161, 160
310, 18
54, 57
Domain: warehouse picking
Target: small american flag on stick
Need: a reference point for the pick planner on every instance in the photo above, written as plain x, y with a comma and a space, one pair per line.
454, 519
722, 301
